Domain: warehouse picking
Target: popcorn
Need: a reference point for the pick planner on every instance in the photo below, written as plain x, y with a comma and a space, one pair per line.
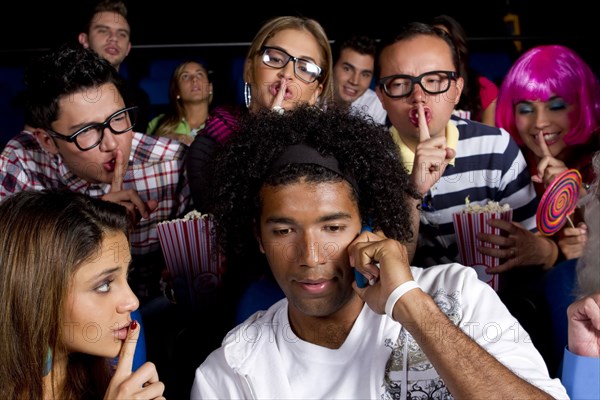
189, 216
470, 221
491, 206
192, 256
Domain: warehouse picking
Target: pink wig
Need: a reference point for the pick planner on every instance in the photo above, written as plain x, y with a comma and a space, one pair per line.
546, 71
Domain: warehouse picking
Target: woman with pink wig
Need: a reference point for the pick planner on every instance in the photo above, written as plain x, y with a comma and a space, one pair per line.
549, 102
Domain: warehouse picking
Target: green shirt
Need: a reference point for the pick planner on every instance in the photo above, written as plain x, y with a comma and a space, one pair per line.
183, 128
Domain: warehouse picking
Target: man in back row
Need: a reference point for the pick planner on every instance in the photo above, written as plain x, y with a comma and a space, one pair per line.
451, 159
352, 76
108, 33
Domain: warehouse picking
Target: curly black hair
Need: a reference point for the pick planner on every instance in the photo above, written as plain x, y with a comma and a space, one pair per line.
363, 149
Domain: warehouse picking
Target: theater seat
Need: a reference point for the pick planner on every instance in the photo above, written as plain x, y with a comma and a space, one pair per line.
156, 84
260, 295
493, 64
11, 103
139, 357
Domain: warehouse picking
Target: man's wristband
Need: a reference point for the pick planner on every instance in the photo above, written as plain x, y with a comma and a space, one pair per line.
396, 294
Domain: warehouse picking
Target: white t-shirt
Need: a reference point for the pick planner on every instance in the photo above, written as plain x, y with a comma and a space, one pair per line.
263, 358
369, 104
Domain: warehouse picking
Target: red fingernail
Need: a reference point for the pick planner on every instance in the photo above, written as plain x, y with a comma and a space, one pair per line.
133, 325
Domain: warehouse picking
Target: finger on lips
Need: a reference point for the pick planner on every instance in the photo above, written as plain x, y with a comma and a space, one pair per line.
118, 172
543, 146
128, 350
423, 128
280, 96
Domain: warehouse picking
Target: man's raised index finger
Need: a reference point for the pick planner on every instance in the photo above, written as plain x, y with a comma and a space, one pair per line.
423, 128
118, 172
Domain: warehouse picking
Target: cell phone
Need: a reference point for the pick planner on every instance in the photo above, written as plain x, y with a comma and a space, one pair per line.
361, 281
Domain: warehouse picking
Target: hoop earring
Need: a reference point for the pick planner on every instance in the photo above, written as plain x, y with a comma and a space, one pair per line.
247, 94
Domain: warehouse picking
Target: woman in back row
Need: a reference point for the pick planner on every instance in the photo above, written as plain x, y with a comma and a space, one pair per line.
190, 95
550, 104
289, 62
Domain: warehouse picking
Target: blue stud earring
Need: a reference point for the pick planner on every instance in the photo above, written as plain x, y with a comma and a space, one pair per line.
48, 365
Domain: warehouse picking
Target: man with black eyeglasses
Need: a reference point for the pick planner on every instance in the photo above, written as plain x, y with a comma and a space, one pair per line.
108, 32
83, 139
451, 160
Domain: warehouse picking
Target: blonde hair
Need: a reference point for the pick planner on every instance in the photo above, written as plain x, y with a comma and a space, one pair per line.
171, 120
275, 25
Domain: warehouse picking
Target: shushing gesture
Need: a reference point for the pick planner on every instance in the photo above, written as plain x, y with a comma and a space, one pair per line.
141, 384
548, 167
572, 240
136, 207
432, 156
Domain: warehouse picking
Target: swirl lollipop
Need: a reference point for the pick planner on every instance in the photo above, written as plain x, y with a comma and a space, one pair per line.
558, 202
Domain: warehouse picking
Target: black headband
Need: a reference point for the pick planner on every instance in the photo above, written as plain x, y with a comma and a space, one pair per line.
304, 154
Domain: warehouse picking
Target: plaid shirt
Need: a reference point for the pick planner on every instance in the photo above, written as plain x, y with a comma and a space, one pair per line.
156, 171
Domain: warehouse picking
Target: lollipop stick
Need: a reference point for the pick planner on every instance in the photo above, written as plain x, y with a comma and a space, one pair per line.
570, 222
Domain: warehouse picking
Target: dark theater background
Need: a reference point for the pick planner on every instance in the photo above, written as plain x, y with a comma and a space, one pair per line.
166, 32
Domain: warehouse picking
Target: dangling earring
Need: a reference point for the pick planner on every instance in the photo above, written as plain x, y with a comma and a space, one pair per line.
247, 94
178, 97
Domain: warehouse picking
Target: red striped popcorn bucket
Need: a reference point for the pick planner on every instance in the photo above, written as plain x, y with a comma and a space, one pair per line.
466, 227
192, 257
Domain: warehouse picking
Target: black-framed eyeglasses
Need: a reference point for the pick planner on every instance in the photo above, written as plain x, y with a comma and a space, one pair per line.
304, 69
91, 135
433, 82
